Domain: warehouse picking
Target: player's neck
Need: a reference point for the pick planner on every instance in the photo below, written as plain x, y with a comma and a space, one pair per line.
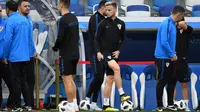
10, 12
23, 14
64, 11
101, 12
113, 17
173, 17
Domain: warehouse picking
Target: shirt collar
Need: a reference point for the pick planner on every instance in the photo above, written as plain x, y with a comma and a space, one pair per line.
99, 14
112, 19
170, 18
28, 17
14, 13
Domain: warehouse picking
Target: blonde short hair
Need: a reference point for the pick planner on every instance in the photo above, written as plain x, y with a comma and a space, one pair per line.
112, 4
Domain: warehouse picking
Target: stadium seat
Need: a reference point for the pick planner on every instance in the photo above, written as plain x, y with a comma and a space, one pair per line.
129, 79
40, 36
95, 8
125, 3
138, 11
148, 89
196, 10
195, 90
74, 1
77, 9
91, 3
165, 10
158, 3
3, 4
190, 3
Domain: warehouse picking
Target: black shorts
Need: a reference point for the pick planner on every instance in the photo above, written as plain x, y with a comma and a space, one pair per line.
109, 57
68, 67
182, 70
165, 70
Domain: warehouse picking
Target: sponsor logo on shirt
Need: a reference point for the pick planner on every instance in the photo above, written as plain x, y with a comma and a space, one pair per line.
107, 26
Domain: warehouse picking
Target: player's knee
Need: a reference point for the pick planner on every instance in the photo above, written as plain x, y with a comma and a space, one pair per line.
110, 79
184, 85
116, 69
68, 78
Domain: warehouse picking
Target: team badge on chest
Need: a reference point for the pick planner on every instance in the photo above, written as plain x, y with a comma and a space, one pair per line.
119, 26
109, 57
167, 64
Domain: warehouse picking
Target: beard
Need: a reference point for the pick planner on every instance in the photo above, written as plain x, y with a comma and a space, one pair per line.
26, 13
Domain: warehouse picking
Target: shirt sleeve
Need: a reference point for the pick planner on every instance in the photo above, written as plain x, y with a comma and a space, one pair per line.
123, 34
61, 32
98, 35
164, 39
2, 33
31, 39
92, 28
189, 31
8, 38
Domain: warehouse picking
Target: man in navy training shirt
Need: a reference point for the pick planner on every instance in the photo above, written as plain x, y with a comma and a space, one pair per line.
108, 41
67, 44
17, 43
184, 32
97, 66
165, 55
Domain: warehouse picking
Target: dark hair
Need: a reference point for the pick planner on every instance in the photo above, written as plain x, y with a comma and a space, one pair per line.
20, 2
66, 3
178, 9
102, 3
111, 3
12, 5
